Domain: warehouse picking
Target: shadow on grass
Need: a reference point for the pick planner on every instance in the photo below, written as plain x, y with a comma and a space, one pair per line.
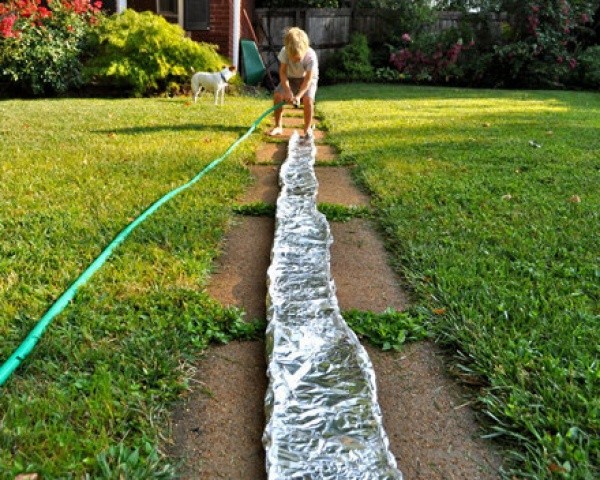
189, 127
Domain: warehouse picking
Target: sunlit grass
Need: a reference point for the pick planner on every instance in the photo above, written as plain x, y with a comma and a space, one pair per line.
497, 236
74, 173
490, 201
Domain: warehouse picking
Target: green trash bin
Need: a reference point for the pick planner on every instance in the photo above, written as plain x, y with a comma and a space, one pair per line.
253, 66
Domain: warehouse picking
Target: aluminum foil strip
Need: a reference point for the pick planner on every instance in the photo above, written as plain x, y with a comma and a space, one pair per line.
323, 418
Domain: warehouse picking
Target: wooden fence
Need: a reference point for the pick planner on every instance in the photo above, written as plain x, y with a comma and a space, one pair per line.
329, 29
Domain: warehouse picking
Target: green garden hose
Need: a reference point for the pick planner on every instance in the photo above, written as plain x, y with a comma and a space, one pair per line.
61, 303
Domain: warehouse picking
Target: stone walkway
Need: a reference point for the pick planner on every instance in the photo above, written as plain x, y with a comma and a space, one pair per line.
432, 430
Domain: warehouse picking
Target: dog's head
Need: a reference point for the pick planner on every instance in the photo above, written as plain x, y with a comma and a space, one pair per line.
228, 72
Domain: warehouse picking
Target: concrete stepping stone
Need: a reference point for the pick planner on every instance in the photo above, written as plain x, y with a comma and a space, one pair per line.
335, 186
372, 284
271, 152
290, 122
436, 433
276, 152
327, 153
218, 429
240, 273
319, 135
362, 276
265, 187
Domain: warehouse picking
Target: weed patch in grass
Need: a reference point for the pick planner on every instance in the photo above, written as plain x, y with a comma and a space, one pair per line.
255, 209
333, 212
342, 213
388, 330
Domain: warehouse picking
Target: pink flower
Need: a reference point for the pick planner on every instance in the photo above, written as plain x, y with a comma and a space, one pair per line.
572, 63
584, 18
406, 38
533, 23
6, 26
560, 59
44, 12
454, 52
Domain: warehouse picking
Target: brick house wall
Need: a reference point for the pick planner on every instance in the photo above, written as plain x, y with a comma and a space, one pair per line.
221, 25
142, 5
220, 31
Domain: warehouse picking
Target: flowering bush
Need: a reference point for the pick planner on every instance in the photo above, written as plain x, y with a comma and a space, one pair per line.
544, 40
41, 47
432, 58
538, 45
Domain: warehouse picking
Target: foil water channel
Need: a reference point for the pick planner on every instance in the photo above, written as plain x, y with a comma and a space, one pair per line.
323, 418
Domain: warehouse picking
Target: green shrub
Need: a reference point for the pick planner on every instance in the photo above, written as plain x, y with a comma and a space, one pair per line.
387, 75
590, 67
351, 63
146, 54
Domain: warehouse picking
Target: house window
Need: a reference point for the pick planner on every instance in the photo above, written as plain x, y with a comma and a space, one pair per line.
168, 9
196, 15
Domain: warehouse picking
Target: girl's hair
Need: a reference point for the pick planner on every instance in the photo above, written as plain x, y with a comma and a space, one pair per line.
296, 42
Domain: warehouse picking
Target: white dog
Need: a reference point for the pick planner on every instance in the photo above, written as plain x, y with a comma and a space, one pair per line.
215, 82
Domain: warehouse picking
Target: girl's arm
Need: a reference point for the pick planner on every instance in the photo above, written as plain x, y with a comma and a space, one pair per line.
283, 79
305, 84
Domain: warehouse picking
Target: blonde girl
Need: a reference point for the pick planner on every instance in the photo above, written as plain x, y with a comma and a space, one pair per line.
298, 76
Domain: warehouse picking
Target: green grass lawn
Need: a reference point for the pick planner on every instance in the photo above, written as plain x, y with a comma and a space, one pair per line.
74, 173
500, 238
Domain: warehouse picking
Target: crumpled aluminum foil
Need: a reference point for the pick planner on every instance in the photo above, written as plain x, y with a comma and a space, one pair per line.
323, 419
